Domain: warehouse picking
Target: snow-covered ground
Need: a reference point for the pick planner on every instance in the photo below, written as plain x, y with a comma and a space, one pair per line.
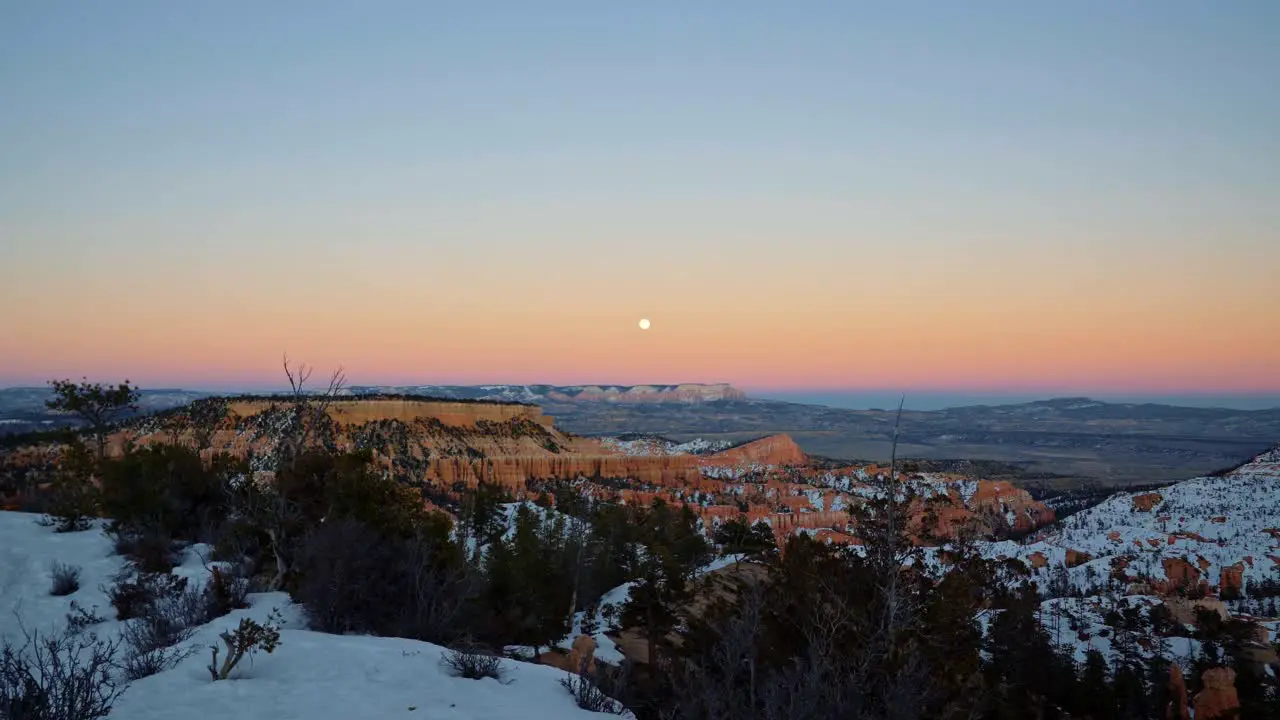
661, 446
1211, 522
1078, 624
311, 675
609, 610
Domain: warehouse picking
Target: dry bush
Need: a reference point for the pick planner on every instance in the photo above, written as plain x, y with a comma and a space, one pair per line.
63, 677
589, 696
65, 579
474, 663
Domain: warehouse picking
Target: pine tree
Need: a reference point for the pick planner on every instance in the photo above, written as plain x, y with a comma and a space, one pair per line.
1095, 689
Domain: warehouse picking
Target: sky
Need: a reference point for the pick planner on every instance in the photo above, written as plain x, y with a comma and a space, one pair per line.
982, 197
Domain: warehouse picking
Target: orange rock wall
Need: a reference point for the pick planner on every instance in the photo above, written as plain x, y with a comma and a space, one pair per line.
358, 412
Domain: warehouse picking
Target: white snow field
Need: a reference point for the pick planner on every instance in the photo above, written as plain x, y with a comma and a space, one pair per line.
310, 675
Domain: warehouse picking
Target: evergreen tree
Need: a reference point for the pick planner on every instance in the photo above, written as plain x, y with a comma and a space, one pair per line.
1095, 687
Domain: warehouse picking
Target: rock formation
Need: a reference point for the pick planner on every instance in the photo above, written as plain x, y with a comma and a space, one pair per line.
776, 450
1177, 709
1218, 700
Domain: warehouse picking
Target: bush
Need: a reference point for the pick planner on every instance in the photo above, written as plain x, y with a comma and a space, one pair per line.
248, 638
166, 491
150, 551
590, 697
138, 595
224, 593
65, 579
472, 662
152, 646
58, 678
169, 612
73, 499
353, 579
79, 619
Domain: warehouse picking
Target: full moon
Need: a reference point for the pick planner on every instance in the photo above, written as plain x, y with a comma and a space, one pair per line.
644, 323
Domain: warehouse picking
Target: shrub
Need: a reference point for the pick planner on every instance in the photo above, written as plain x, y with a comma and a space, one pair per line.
224, 593
152, 645
65, 579
165, 491
353, 579
137, 595
170, 611
58, 678
150, 551
72, 505
79, 619
247, 639
474, 663
590, 697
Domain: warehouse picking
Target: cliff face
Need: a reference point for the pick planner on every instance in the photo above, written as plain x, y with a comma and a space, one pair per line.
458, 414
445, 444
772, 450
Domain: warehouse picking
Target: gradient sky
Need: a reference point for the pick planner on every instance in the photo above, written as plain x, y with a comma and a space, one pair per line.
1008, 196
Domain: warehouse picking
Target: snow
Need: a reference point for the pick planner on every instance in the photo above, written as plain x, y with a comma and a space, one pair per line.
1077, 624
1224, 521
611, 605
662, 446
310, 675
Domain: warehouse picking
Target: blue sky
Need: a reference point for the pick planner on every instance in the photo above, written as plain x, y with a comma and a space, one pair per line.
1036, 182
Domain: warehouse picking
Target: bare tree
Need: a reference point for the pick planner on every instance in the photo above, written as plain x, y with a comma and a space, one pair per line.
309, 410
269, 507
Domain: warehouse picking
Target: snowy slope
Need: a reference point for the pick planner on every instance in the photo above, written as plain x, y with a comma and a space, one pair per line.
661, 446
311, 675
1211, 523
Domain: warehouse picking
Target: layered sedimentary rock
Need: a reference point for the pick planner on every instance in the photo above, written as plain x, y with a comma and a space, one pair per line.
457, 414
777, 450
513, 472
450, 445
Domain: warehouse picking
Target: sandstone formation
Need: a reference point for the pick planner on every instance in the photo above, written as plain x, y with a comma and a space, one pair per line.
1147, 501
447, 446
1218, 700
361, 411
773, 450
1177, 709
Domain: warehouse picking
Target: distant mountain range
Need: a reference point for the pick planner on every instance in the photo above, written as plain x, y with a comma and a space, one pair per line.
1070, 439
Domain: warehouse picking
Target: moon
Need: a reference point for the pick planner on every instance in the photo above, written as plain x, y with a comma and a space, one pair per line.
644, 323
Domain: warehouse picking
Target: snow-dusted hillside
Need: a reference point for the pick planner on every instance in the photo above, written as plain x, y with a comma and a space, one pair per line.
1212, 529
311, 675
662, 446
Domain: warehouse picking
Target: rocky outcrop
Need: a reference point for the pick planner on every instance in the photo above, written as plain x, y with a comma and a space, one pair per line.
776, 450
1146, 502
1218, 700
513, 472
1232, 579
1184, 611
1003, 500
457, 414
1075, 557
1178, 708
1180, 573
